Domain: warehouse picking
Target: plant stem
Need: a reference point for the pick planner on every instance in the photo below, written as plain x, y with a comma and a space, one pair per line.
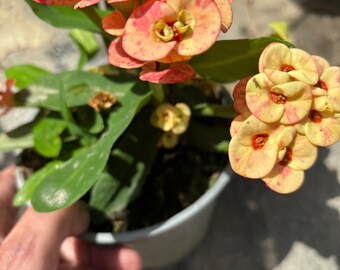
158, 91
212, 110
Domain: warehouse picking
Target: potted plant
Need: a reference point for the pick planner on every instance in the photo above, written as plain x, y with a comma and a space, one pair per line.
144, 139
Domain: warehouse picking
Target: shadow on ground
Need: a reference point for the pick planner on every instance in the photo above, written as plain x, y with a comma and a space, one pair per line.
255, 228
330, 7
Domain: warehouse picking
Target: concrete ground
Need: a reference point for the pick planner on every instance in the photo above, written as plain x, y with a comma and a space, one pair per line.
252, 227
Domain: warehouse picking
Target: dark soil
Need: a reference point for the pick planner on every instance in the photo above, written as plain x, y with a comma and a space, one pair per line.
179, 177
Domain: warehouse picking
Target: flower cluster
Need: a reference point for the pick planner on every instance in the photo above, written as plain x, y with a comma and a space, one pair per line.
160, 35
284, 112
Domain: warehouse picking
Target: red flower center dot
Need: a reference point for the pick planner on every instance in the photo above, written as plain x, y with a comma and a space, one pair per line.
177, 35
287, 68
278, 98
259, 141
322, 85
315, 116
288, 157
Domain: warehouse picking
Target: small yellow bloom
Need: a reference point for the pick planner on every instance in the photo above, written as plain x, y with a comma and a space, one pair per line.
172, 118
168, 140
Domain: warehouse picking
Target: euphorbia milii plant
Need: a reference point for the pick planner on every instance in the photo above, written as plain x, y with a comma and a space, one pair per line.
159, 91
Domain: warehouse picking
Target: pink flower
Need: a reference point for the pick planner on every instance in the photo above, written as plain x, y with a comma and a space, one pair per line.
166, 32
239, 95
75, 3
6, 97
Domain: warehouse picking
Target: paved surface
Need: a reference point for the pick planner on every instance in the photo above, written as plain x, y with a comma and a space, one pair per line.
253, 228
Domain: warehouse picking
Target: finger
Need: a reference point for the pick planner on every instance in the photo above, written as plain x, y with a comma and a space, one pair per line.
77, 252
34, 243
7, 211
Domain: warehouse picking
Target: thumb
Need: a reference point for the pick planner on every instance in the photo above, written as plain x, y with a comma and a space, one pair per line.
35, 241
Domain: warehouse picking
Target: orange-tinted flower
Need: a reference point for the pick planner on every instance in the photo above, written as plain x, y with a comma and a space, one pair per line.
167, 32
186, 27
282, 64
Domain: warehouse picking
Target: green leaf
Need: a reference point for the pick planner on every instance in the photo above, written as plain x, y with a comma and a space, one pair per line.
280, 29
128, 167
66, 185
24, 74
208, 138
25, 193
79, 86
86, 40
215, 110
83, 58
68, 117
46, 135
230, 60
64, 16
89, 120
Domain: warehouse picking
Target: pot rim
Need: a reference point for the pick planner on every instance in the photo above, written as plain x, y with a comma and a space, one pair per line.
172, 222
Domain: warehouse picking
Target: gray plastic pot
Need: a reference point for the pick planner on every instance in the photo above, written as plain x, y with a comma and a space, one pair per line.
170, 241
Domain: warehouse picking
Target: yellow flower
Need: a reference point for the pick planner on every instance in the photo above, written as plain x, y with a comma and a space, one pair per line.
287, 103
172, 118
282, 64
327, 89
288, 173
253, 149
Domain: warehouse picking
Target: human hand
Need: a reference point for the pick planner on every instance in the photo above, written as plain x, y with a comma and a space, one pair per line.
43, 241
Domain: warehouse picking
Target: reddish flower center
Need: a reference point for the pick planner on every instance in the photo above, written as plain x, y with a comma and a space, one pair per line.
177, 35
322, 85
288, 157
287, 68
278, 98
259, 141
315, 116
